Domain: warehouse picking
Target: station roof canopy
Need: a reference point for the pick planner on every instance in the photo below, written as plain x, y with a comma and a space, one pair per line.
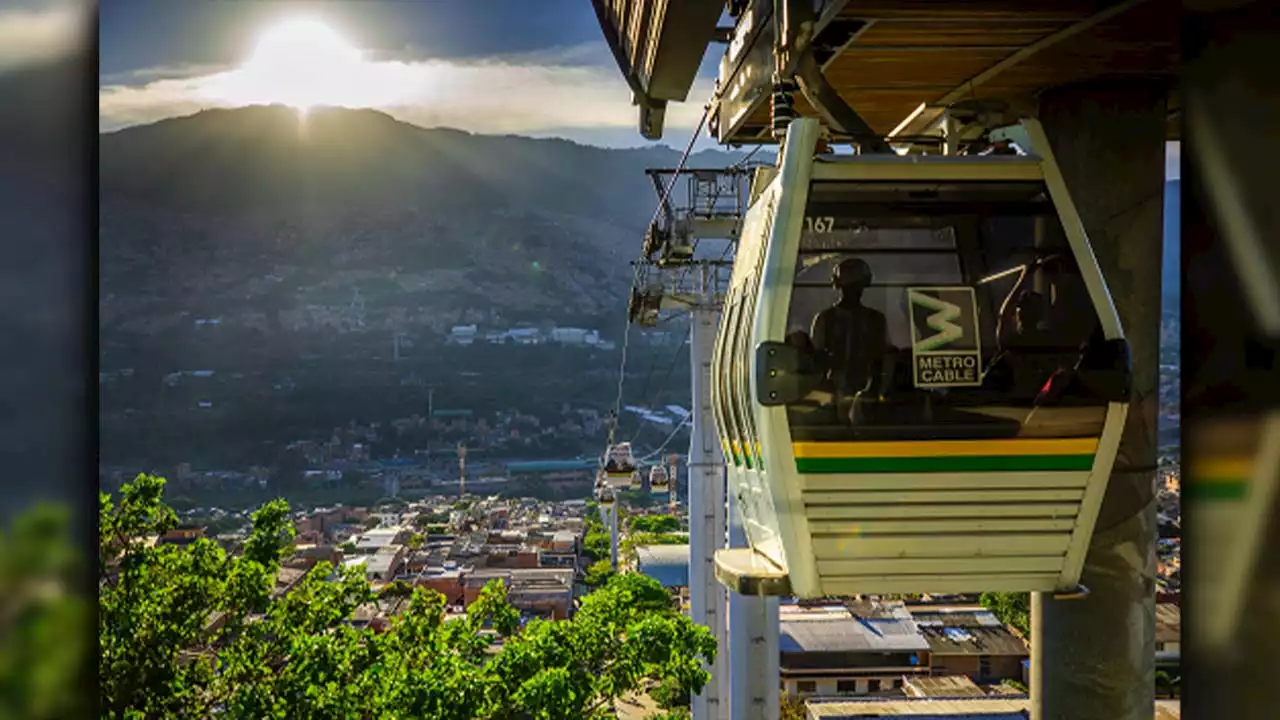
896, 63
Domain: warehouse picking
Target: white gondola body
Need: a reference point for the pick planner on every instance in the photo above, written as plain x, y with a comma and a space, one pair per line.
659, 482
925, 513
620, 467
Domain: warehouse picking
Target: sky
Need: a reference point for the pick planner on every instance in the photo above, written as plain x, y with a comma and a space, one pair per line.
490, 66
486, 66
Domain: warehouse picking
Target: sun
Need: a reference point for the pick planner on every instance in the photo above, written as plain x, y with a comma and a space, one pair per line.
303, 62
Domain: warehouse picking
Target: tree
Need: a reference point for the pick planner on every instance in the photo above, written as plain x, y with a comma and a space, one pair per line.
43, 622
596, 545
634, 540
599, 573
1012, 609
636, 498
655, 523
397, 589
791, 708
415, 541
298, 655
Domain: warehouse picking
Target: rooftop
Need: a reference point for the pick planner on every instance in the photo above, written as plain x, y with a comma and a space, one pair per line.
1016, 707
836, 629
378, 563
668, 564
520, 580
951, 686
967, 632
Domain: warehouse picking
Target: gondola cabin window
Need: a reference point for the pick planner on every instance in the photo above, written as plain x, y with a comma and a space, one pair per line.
940, 311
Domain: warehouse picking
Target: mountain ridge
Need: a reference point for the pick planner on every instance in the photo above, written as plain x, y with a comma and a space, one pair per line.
283, 216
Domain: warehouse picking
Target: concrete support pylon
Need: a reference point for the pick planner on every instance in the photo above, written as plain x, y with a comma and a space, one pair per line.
1094, 658
754, 663
706, 512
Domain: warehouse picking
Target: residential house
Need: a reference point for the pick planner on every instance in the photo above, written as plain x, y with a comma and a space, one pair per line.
861, 647
971, 641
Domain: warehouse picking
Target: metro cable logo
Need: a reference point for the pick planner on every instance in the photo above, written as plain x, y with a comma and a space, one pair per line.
951, 355
948, 331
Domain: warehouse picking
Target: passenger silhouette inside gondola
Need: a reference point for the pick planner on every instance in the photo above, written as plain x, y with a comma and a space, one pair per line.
1030, 353
850, 339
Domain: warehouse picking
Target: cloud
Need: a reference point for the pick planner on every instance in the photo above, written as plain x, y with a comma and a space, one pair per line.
562, 91
39, 34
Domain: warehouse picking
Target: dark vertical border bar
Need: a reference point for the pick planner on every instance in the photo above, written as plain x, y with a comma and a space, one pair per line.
1229, 372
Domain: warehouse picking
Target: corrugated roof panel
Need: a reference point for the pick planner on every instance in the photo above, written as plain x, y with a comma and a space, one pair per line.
668, 564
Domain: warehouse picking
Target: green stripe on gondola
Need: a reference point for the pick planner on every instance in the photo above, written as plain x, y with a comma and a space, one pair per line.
1217, 489
961, 463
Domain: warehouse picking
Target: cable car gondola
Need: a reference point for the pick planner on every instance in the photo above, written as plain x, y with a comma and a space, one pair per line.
620, 466
659, 483
920, 380
606, 497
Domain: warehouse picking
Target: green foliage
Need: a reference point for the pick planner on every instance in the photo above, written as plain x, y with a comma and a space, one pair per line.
598, 573
1015, 684
654, 523
43, 625
595, 545
298, 655
1167, 685
637, 498
634, 540
654, 538
1012, 609
397, 589
791, 708
415, 541
427, 520
371, 522
348, 547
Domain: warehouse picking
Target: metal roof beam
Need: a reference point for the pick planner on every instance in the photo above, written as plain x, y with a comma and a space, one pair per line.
927, 113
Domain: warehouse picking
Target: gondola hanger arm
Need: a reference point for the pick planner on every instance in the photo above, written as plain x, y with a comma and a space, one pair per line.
795, 59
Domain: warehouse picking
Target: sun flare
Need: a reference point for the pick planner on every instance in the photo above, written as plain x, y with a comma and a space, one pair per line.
304, 63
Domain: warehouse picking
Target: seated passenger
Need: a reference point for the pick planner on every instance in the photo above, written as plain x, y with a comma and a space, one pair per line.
849, 338
1031, 354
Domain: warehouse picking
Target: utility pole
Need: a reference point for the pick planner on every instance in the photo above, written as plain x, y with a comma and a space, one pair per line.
613, 537
672, 501
462, 470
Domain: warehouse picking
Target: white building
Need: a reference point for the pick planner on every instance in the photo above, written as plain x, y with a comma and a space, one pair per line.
462, 334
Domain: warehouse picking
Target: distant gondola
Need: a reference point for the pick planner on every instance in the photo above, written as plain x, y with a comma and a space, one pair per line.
659, 483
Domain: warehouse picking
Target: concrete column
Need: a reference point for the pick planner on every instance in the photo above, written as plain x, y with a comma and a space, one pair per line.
706, 512
1094, 658
753, 645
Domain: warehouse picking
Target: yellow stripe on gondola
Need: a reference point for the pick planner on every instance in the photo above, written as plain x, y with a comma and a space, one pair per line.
946, 448
1222, 469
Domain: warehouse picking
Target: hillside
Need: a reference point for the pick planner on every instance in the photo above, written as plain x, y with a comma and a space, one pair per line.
271, 222
1171, 282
